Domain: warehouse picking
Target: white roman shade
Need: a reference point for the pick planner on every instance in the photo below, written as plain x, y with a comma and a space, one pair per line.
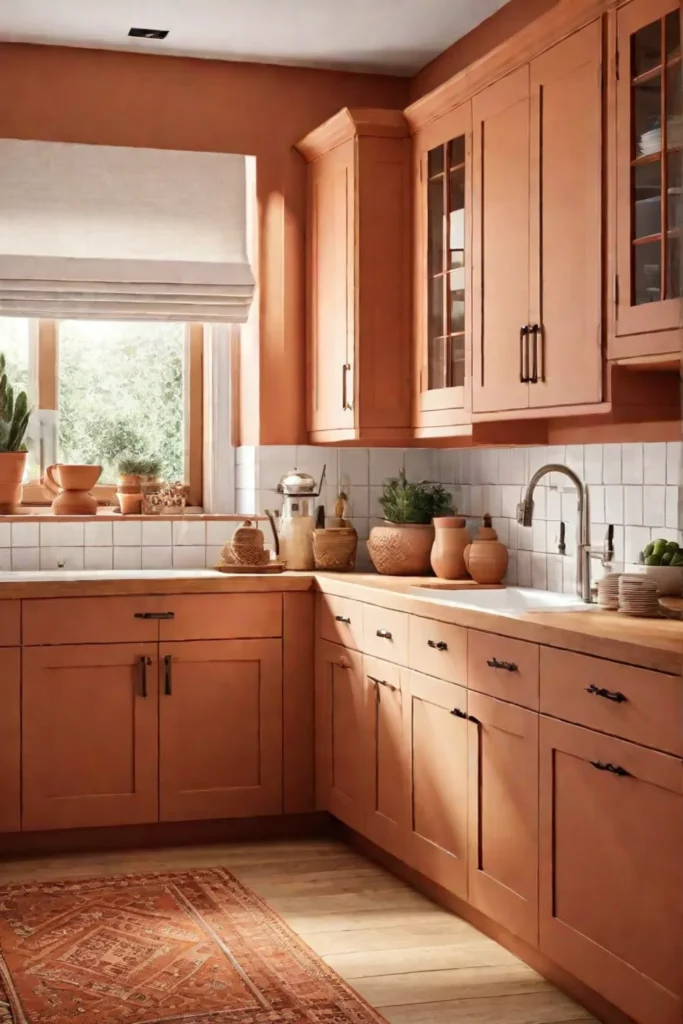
113, 232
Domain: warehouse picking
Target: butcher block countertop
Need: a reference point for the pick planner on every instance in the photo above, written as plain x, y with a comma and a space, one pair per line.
650, 643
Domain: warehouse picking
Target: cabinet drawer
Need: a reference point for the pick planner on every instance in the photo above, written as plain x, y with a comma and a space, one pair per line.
503, 668
10, 624
222, 617
385, 634
633, 703
89, 620
438, 649
340, 621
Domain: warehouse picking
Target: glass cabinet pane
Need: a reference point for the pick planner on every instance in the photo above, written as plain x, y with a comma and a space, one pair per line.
656, 148
446, 251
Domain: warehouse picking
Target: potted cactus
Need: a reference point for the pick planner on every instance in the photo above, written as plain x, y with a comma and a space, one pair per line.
14, 415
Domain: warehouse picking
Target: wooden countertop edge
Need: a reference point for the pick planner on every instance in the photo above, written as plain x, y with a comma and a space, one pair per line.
654, 644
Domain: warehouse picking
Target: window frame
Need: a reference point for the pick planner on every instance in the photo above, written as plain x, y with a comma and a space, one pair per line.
44, 368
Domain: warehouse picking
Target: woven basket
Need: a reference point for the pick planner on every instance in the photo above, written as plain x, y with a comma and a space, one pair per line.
335, 549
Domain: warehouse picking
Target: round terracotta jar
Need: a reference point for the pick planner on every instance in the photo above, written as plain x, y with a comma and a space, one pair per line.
448, 550
401, 549
486, 558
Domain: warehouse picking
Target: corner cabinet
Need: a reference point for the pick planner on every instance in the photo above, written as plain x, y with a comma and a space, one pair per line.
537, 245
649, 159
359, 243
443, 262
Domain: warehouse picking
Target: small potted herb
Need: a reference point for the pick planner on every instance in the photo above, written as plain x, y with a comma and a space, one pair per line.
14, 416
401, 546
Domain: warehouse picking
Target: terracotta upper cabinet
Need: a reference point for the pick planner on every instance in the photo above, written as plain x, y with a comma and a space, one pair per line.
649, 172
89, 726
537, 246
611, 849
220, 729
443, 261
358, 277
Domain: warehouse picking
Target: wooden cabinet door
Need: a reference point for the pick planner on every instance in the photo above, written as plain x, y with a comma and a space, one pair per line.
10, 739
331, 275
501, 206
503, 814
89, 736
343, 763
438, 740
220, 729
611, 850
649, 170
388, 823
566, 222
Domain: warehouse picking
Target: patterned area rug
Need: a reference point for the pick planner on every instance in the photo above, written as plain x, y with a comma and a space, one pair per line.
195, 947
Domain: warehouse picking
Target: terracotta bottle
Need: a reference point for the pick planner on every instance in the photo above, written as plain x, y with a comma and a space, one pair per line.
486, 558
450, 541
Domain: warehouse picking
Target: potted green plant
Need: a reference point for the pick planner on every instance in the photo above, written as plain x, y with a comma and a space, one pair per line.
14, 416
401, 546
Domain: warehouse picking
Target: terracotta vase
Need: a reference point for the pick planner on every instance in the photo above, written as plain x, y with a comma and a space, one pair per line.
71, 486
130, 504
401, 549
486, 558
450, 541
12, 466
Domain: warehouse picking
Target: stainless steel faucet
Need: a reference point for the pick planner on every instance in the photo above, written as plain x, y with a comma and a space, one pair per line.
525, 515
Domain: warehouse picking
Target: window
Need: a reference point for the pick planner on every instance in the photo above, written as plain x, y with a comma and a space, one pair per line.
117, 387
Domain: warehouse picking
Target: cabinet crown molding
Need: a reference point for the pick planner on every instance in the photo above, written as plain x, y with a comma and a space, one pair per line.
349, 123
566, 17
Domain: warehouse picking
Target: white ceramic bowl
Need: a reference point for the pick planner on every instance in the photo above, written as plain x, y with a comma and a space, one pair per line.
669, 579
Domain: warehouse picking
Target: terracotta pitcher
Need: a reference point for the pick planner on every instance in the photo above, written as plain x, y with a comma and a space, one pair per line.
486, 558
450, 541
71, 485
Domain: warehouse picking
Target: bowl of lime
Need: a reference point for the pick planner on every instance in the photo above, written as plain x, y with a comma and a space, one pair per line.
663, 561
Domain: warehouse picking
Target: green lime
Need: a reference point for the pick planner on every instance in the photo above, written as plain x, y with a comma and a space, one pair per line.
653, 560
648, 549
666, 557
672, 547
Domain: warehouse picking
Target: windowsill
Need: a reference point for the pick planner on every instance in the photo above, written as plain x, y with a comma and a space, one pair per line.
42, 513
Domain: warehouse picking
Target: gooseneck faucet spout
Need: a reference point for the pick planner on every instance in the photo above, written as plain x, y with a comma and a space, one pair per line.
525, 515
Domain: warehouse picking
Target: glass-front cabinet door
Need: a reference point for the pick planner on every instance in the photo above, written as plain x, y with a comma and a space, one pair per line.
443, 269
649, 168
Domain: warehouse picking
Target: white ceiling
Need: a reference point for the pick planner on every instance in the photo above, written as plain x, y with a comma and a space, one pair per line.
393, 36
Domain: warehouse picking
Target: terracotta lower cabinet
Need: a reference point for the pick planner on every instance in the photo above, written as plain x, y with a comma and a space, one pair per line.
503, 814
437, 730
388, 822
220, 729
10, 739
89, 736
343, 770
611, 836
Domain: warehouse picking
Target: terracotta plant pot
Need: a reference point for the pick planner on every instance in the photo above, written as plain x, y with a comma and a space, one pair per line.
401, 549
130, 483
450, 541
130, 504
12, 466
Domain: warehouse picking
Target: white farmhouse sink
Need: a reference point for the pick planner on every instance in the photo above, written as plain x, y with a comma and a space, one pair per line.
506, 600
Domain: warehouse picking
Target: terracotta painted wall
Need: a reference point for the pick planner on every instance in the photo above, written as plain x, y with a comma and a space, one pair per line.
93, 96
497, 29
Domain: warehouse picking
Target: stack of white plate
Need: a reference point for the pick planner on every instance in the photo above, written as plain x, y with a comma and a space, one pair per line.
650, 142
638, 596
608, 591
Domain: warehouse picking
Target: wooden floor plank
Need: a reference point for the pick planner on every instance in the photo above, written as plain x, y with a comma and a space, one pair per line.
436, 930
445, 957
546, 1007
446, 985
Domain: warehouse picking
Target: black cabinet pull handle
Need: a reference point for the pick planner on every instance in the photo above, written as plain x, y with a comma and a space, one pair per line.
507, 666
615, 769
145, 662
533, 379
382, 682
384, 634
154, 615
600, 691
524, 355
343, 618
463, 714
438, 645
168, 674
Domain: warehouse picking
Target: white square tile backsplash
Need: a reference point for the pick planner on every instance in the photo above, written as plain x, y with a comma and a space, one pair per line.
633, 487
